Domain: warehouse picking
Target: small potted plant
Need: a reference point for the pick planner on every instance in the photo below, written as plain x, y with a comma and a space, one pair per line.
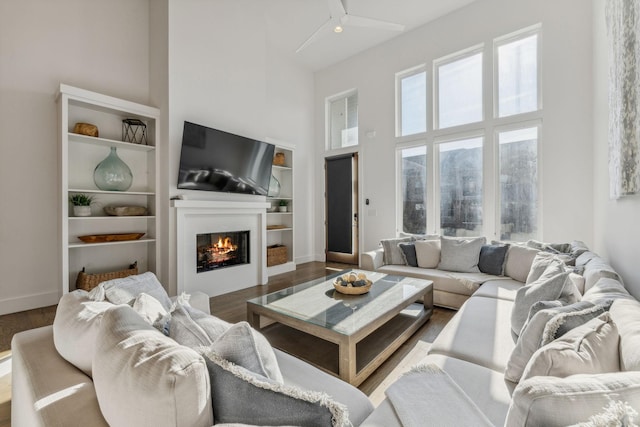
283, 205
81, 204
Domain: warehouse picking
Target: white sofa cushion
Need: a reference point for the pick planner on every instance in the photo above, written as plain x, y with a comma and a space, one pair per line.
460, 254
556, 402
143, 378
588, 349
152, 311
518, 262
479, 333
626, 314
427, 253
502, 288
76, 326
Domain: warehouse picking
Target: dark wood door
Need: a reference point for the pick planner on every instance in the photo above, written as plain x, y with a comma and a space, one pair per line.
341, 200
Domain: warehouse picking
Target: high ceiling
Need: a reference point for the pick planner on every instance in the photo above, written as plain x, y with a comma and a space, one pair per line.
291, 22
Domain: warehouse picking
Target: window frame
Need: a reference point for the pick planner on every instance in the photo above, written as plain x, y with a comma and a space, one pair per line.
399, 76
328, 101
510, 38
447, 59
497, 190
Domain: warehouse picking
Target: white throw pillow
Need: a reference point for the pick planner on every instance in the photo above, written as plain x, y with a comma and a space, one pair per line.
460, 254
543, 289
541, 265
143, 378
588, 349
555, 402
125, 290
427, 253
152, 311
76, 326
518, 262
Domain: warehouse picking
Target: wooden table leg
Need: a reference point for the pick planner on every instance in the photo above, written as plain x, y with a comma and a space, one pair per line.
253, 318
347, 366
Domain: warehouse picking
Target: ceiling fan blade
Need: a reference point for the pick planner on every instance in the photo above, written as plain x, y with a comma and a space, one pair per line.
324, 28
336, 8
361, 21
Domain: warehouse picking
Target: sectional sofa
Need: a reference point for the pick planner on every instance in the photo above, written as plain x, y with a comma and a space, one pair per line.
537, 342
500, 350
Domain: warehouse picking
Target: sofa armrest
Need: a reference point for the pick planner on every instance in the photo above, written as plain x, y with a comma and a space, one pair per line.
46, 390
372, 260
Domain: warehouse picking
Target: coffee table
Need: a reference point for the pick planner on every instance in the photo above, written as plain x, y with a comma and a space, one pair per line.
367, 329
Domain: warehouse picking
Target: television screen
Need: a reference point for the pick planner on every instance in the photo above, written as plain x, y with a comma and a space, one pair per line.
214, 160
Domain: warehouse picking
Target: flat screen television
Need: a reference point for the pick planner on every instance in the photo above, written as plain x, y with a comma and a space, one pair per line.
214, 160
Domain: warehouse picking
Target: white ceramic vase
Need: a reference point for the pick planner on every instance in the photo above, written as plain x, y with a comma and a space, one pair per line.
82, 210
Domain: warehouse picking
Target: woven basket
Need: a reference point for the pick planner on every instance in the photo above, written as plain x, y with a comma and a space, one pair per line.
279, 159
89, 281
276, 254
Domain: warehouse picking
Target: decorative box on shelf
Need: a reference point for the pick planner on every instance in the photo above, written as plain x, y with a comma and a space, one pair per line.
276, 254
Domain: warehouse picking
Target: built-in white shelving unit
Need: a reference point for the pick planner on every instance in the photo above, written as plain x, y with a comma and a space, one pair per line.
280, 225
78, 157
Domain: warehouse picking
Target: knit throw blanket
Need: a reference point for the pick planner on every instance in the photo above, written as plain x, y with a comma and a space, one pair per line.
427, 395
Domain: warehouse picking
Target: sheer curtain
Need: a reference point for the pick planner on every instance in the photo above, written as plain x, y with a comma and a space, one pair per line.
623, 29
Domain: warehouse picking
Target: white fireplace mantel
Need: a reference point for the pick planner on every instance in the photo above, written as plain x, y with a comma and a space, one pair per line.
203, 216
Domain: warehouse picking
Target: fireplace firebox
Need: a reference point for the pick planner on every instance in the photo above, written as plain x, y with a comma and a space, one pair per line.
222, 249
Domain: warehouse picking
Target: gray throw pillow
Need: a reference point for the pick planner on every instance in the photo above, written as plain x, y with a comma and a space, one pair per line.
543, 289
392, 253
125, 290
460, 254
563, 322
246, 347
409, 252
541, 264
266, 402
492, 259
193, 328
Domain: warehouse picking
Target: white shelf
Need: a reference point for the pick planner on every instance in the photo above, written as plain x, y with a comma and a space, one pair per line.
79, 155
285, 235
83, 245
84, 139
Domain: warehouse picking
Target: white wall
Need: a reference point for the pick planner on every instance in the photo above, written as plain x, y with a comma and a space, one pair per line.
566, 141
616, 221
223, 73
96, 45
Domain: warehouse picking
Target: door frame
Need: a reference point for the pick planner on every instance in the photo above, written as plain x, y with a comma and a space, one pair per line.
354, 257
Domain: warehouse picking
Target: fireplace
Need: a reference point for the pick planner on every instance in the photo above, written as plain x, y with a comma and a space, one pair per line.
222, 249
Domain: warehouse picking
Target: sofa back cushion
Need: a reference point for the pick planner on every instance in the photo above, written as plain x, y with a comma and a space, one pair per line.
626, 314
76, 326
554, 402
125, 290
427, 253
597, 269
460, 254
518, 262
143, 378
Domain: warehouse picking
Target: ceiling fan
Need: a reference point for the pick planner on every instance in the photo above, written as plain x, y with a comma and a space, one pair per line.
339, 18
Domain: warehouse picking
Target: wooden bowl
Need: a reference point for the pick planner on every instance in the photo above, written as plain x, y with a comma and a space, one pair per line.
353, 290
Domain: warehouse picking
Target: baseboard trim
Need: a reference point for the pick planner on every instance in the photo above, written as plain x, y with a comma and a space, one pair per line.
28, 302
304, 259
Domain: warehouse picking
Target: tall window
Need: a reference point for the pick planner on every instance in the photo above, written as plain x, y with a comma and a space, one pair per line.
343, 120
413, 182
517, 73
412, 101
459, 87
518, 163
480, 167
461, 187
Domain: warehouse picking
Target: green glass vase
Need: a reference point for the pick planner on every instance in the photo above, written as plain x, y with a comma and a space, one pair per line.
112, 174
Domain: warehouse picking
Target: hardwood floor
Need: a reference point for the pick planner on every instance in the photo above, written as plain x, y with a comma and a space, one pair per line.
232, 307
